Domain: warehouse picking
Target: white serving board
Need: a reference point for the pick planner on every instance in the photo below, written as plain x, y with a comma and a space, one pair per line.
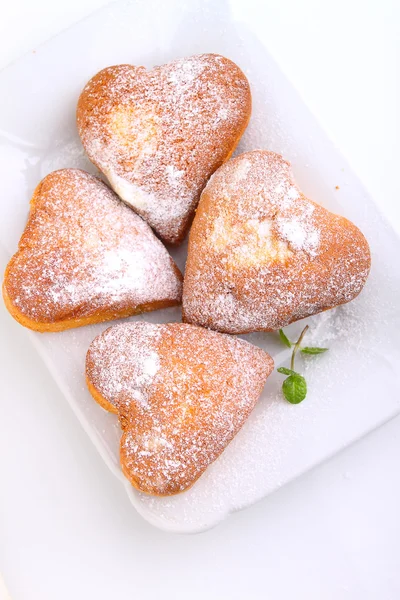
351, 388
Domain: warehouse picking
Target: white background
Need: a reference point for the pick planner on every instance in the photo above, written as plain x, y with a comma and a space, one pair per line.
67, 529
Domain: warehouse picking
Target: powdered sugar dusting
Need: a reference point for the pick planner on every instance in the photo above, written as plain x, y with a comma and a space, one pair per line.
121, 369
262, 255
182, 394
84, 252
158, 135
299, 233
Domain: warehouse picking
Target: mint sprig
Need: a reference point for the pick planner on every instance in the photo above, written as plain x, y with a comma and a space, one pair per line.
294, 387
315, 350
284, 338
286, 371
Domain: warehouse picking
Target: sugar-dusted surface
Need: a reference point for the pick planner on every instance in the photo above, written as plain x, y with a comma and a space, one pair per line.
350, 388
158, 135
85, 254
122, 362
262, 255
182, 394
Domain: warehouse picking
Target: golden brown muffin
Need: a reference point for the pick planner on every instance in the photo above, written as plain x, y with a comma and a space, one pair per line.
158, 135
181, 392
262, 255
85, 257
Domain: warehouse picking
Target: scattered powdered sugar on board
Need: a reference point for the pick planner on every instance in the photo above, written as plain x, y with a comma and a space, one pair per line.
84, 252
182, 394
336, 324
158, 135
262, 255
66, 153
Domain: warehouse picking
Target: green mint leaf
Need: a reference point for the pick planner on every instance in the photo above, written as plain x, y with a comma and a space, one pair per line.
310, 350
286, 371
294, 389
284, 338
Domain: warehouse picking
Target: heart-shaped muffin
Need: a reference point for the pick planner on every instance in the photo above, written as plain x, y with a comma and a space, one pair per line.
262, 255
85, 257
181, 392
158, 135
